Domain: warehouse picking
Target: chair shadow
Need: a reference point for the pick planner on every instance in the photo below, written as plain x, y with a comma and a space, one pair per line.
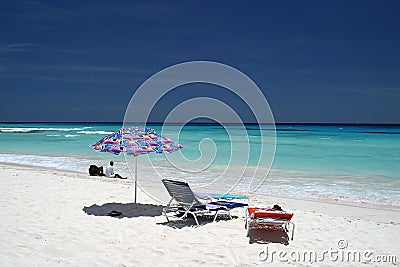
267, 236
190, 222
128, 210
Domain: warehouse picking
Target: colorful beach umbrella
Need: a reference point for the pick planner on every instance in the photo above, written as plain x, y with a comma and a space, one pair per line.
134, 142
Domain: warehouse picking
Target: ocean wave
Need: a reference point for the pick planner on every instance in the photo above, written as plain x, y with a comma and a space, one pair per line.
324, 192
385, 132
32, 129
57, 162
280, 183
94, 132
61, 163
71, 135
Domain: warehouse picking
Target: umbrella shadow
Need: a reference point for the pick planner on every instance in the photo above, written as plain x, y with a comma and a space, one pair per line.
267, 236
124, 210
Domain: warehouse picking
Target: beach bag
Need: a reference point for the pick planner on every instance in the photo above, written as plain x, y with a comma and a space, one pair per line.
94, 170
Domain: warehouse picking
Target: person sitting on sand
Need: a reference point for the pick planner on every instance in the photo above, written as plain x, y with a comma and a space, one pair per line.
110, 171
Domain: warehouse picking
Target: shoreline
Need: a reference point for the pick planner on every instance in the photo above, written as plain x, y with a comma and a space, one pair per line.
142, 184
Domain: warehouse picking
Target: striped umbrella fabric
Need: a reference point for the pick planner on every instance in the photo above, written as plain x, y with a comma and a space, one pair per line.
136, 141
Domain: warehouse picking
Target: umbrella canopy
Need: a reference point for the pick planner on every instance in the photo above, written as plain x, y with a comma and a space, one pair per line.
134, 142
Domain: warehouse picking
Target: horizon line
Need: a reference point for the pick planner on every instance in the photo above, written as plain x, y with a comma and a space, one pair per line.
211, 123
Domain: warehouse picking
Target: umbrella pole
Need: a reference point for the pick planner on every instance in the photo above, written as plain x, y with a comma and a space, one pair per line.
135, 180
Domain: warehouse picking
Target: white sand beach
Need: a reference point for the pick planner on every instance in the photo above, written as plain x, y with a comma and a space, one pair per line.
49, 217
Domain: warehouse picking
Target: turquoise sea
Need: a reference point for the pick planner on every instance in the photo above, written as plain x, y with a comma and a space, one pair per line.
343, 163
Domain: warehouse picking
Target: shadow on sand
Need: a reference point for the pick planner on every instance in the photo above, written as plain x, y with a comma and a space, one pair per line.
131, 210
266, 236
124, 210
190, 222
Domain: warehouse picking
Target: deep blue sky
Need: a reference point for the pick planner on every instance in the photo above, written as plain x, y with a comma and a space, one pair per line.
315, 61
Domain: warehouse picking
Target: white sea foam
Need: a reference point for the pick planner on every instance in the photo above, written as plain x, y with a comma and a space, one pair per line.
32, 129
53, 135
62, 163
281, 183
71, 135
59, 163
94, 132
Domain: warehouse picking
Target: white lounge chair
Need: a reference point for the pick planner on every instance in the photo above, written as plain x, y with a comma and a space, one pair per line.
184, 201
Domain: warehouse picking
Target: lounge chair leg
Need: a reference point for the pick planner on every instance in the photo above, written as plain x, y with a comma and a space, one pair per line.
247, 228
215, 217
164, 212
293, 226
247, 223
195, 219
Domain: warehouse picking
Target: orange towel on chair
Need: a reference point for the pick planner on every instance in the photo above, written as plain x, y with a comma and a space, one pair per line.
269, 213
